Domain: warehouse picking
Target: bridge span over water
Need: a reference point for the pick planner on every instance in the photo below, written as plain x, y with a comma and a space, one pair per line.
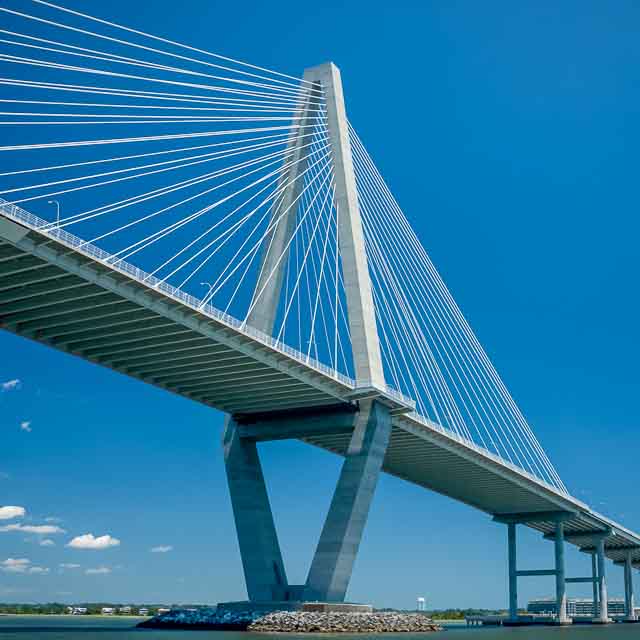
323, 320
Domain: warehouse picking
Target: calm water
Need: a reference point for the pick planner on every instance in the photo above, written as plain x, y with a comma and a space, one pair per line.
80, 628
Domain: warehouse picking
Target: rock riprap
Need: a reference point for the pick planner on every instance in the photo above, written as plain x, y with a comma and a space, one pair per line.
293, 621
333, 622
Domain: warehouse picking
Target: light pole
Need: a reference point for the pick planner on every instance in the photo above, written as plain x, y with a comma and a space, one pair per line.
57, 210
210, 287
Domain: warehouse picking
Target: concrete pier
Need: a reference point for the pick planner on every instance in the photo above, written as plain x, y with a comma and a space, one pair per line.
264, 570
603, 611
340, 539
628, 589
513, 575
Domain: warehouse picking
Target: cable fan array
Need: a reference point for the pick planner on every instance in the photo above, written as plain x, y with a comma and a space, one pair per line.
186, 163
429, 351
177, 160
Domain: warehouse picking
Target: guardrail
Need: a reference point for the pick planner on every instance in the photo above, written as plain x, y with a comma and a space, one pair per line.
81, 246
86, 248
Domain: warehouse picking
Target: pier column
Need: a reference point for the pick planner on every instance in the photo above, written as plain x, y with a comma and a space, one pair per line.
594, 575
332, 563
513, 576
261, 557
603, 614
628, 588
561, 586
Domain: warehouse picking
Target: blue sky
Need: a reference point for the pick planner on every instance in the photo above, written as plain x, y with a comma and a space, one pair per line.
508, 133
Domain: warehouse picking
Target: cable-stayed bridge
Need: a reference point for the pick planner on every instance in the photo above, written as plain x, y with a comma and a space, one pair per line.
218, 229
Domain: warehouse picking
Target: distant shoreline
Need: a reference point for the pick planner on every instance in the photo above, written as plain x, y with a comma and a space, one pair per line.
68, 615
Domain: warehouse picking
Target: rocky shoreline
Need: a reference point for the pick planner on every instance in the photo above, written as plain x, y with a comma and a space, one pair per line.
292, 621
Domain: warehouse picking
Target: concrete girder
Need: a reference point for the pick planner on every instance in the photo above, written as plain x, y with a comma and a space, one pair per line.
84, 292
62, 283
244, 367
223, 382
199, 367
81, 329
133, 329
8, 252
267, 394
20, 265
194, 371
535, 516
137, 345
169, 355
68, 309
46, 274
258, 407
55, 321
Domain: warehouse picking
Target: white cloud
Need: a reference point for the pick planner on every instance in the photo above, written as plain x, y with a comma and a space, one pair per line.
10, 385
39, 529
15, 565
163, 548
7, 513
69, 565
47, 543
26, 426
98, 571
89, 541
38, 570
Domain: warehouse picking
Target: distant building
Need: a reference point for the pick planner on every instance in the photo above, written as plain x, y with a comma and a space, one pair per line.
422, 604
576, 607
163, 610
125, 611
143, 611
77, 611
107, 611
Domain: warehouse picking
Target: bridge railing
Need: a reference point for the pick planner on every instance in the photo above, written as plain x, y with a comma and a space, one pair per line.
90, 250
77, 244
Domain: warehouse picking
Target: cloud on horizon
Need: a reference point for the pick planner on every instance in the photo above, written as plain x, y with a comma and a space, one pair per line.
47, 542
10, 512
89, 541
38, 529
98, 571
10, 385
15, 565
21, 565
163, 548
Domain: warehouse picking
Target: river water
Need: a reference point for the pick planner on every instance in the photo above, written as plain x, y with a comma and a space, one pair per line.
97, 628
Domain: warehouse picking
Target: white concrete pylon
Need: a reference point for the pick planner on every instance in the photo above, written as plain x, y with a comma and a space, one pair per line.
365, 345
355, 270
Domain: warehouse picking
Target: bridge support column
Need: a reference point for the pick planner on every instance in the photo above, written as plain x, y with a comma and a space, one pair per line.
513, 572
561, 584
628, 589
333, 561
603, 613
596, 587
259, 547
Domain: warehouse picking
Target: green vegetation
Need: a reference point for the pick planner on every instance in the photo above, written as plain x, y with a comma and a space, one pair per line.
93, 608
452, 614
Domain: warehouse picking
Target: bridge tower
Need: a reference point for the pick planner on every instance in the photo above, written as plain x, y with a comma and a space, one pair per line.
368, 421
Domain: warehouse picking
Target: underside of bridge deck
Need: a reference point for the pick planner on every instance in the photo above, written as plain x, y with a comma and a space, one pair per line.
64, 297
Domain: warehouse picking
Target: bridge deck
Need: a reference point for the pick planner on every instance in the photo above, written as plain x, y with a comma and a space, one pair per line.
71, 296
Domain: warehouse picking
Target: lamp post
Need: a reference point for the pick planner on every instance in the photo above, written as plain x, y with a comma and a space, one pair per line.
206, 298
57, 210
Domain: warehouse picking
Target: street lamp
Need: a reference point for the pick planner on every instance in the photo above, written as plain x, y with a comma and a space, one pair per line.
57, 210
210, 287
